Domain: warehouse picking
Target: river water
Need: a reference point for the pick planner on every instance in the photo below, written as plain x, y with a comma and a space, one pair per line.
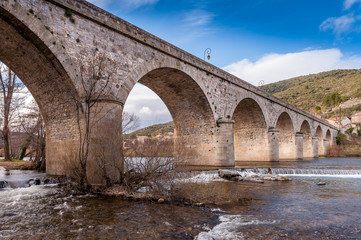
298, 209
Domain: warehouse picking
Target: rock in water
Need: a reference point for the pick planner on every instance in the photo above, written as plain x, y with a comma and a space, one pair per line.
228, 174
3, 184
37, 181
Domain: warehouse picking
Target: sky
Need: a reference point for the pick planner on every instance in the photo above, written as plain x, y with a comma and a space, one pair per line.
269, 40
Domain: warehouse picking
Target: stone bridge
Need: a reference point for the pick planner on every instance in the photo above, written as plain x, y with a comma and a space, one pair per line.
219, 118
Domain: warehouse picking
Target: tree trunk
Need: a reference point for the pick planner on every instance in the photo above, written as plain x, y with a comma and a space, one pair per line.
6, 144
7, 88
6, 130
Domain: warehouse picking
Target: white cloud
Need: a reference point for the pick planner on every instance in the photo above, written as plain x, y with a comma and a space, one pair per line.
340, 25
100, 3
196, 23
144, 103
125, 4
345, 24
197, 17
276, 67
347, 4
141, 92
145, 110
134, 4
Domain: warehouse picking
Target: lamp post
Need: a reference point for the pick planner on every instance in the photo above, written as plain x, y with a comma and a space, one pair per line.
208, 52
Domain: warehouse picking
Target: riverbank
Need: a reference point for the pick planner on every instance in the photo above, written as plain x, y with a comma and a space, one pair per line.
352, 150
15, 164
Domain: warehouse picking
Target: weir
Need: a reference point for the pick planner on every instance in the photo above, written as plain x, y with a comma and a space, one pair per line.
305, 171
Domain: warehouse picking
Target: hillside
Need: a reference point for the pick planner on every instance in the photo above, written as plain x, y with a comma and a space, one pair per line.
307, 92
154, 130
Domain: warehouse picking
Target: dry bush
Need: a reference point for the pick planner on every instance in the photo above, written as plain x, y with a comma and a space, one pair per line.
153, 176
153, 170
335, 151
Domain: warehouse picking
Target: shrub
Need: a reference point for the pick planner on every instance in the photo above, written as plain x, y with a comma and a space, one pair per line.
332, 99
340, 138
349, 131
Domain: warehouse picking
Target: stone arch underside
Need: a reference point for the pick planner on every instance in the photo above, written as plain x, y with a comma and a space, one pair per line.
191, 112
321, 146
328, 137
286, 137
307, 140
34, 63
250, 132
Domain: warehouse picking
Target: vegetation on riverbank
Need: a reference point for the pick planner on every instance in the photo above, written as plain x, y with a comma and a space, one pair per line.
347, 145
15, 164
320, 90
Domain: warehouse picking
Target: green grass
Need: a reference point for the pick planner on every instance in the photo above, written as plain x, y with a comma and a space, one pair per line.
12, 160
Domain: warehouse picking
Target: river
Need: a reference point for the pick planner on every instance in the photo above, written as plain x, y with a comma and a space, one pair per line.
298, 209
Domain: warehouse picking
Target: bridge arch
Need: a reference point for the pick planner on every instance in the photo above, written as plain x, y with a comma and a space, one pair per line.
307, 139
250, 132
328, 135
31, 51
192, 114
286, 137
328, 143
319, 135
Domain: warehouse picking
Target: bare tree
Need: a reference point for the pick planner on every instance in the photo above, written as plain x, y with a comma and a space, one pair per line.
95, 78
130, 122
10, 84
32, 123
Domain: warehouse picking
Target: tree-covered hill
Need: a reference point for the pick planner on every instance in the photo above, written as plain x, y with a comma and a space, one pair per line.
308, 92
154, 130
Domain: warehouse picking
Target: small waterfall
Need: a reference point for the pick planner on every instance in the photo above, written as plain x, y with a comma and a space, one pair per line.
315, 171
21, 179
304, 171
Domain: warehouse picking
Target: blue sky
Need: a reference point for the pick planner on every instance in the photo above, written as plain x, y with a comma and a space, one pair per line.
268, 40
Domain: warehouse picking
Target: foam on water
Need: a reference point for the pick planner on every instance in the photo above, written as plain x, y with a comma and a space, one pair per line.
321, 175
304, 172
203, 177
230, 228
20, 195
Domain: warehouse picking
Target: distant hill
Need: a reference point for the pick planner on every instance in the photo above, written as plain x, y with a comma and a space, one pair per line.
154, 130
307, 92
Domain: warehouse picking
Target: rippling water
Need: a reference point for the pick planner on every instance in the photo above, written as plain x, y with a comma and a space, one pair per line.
299, 209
